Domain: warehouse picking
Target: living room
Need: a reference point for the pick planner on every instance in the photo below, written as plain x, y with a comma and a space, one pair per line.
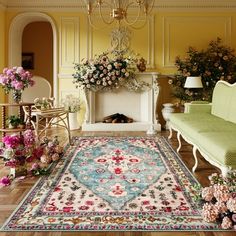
56, 41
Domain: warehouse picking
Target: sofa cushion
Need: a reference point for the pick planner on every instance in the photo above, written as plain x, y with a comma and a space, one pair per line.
220, 146
223, 101
197, 122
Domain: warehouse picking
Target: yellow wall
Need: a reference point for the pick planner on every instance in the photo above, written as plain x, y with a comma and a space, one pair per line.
2, 51
166, 35
40, 32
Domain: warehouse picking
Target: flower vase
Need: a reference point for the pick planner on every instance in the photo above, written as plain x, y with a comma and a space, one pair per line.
73, 121
17, 95
166, 111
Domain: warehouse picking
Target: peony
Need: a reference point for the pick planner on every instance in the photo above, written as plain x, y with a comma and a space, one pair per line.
231, 204
209, 212
207, 193
226, 223
5, 181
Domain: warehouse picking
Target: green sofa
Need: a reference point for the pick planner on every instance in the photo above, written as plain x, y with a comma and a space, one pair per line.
210, 127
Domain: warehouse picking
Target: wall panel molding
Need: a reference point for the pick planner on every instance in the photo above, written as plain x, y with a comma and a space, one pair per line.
170, 23
69, 42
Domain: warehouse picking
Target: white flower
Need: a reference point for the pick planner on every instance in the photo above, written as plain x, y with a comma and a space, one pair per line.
98, 82
104, 83
109, 82
109, 67
127, 74
88, 86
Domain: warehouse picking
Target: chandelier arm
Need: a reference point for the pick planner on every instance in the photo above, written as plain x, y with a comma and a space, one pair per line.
135, 20
100, 13
139, 27
94, 26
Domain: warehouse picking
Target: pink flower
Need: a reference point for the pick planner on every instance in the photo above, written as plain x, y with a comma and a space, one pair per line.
209, 212
207, 193
11, 141
5, 181
231, 204
226, 223
221, 192
221, 207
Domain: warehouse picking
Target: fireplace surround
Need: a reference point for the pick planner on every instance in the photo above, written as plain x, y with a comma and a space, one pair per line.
141, 106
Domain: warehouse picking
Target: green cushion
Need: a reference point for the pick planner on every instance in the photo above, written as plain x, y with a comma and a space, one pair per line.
219, 146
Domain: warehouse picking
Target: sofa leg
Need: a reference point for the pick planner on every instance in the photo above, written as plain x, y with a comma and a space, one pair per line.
195, 157
179, 140
171, 132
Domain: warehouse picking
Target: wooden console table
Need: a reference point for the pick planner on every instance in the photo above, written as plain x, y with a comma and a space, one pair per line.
4, 106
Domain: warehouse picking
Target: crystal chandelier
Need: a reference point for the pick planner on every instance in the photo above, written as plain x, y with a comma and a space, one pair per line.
117, 11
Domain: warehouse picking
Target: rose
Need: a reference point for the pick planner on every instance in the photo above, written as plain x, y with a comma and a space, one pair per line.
5, 181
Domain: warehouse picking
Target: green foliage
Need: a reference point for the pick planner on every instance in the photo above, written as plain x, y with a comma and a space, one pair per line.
217, 62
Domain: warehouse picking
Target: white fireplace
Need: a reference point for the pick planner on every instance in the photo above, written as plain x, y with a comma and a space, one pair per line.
141, 106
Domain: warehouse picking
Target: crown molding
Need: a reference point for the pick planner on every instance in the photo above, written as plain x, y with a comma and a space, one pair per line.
75, 5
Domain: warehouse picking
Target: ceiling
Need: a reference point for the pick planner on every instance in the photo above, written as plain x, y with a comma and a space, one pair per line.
76, 4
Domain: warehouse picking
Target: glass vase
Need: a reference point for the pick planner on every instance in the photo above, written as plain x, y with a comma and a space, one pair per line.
17, 95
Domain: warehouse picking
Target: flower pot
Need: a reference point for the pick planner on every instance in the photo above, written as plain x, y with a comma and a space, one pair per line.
73, 121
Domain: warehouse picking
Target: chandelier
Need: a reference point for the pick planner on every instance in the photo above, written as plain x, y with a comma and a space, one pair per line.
111, 11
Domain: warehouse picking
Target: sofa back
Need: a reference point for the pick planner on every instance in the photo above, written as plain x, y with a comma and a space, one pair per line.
224, 101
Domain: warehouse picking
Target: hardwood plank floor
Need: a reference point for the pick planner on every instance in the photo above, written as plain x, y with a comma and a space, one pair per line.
12, 195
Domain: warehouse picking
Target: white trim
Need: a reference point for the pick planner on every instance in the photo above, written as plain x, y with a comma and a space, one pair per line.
15, 39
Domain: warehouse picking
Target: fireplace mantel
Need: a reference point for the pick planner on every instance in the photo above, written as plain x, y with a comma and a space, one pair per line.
140, 106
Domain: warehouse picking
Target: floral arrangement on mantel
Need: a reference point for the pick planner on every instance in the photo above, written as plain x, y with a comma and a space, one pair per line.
109, 71
16, 79
218, 201
25, 157
217, 62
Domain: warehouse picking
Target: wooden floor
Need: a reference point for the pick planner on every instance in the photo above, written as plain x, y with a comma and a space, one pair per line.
11, 196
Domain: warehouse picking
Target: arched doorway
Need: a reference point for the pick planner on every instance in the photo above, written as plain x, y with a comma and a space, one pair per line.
15, 41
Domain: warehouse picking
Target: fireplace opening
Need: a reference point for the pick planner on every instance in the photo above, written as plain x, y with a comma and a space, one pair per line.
117, 118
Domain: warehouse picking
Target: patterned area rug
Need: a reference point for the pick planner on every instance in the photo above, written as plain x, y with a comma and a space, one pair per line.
112, 183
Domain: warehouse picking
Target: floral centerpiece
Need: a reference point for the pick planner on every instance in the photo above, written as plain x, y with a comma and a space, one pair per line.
16, 79
71, 103
218, 201
25, 157
109, 72
217, 62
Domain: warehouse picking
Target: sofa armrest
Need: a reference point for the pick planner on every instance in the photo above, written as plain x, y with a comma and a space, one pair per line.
197, 107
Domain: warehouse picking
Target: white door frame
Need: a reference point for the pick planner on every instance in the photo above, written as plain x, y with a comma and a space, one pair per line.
15, 42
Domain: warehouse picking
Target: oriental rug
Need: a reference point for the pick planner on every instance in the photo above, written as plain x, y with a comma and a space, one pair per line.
113, 183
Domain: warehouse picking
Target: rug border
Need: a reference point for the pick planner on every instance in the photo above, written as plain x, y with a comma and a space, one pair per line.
135, 230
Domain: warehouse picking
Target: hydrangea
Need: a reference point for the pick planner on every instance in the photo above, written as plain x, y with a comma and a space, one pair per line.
219, 200
15, 78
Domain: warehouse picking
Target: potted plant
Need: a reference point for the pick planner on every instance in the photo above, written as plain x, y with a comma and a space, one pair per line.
13, 121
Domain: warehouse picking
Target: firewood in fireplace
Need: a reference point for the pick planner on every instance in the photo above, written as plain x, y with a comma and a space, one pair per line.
117, 118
